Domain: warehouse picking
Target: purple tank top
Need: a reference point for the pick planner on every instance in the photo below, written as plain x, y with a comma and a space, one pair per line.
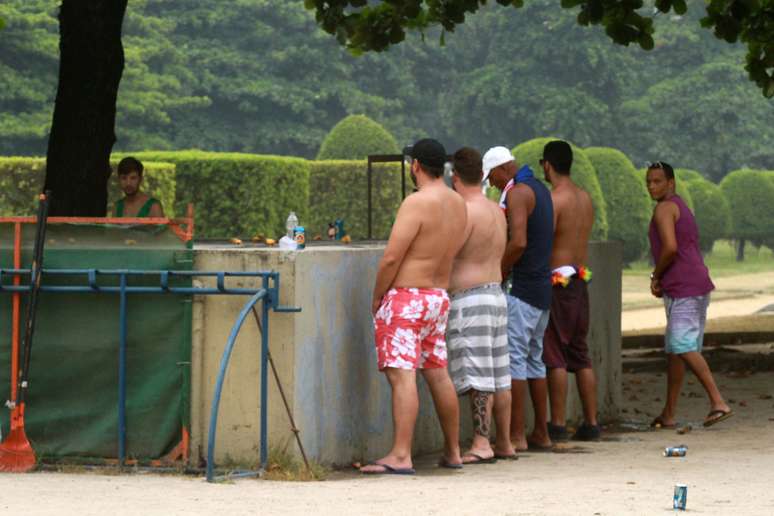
687, 276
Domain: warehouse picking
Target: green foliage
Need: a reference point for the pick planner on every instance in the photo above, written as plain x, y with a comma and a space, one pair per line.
354, 138
375, 26
21, 179
582, 173
751, 194
339, 190
627, 202
238, 194
687, 175
712, 211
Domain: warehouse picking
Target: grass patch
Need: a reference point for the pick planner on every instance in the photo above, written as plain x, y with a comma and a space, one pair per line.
722, 261
282, 465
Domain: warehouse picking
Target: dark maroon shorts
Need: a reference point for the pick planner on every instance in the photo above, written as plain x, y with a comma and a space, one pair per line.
564, 345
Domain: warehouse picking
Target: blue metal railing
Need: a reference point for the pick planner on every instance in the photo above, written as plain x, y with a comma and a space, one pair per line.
268, 294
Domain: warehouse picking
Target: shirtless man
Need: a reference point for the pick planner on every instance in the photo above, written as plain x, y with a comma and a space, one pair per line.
411, 306
526, 203
565, 347
135, 203
477, 333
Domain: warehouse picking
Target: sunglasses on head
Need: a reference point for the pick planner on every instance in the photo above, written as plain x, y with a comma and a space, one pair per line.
656, 164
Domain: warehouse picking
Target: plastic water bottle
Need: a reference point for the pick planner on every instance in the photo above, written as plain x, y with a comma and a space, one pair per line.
290, 224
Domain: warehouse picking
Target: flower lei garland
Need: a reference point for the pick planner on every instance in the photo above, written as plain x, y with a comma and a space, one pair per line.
583, 273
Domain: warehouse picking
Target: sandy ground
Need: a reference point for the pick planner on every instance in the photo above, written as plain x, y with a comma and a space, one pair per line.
734, 296
729, 470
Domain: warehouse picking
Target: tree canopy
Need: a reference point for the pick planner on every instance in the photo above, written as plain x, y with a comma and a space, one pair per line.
364, 26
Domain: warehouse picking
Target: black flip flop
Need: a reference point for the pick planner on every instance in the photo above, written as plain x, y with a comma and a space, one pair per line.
389, 470
444, 463
479, 459
507, 457
724, 414
658, 424
539, 449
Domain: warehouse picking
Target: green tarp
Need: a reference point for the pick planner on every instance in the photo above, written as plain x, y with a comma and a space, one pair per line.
72, 403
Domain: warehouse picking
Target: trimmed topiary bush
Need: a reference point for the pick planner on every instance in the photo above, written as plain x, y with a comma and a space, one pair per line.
686, 175
238, 194
582, 173
21, 179
340, 191
627, 202
713, 213
751, 193
354, 138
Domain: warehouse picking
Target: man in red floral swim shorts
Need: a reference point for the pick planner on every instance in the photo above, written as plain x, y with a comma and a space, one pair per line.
411, 306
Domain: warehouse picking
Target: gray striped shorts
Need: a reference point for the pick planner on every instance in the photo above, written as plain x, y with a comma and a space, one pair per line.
477, 339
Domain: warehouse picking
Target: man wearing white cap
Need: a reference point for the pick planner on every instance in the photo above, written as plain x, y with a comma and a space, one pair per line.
529, 210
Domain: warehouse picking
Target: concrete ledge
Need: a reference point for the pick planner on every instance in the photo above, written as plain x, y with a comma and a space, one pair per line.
327, 360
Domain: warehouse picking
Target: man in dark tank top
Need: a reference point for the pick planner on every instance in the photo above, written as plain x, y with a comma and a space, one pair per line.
528, 208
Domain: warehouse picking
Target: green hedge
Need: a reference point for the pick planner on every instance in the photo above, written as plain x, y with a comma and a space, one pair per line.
713, 213
582, 173
627, 202
238, 194
751, 193
21, 179
687, 175
354, 138
339, 190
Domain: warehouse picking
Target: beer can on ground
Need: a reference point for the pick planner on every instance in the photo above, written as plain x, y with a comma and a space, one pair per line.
300, 237
681, 497
676, 451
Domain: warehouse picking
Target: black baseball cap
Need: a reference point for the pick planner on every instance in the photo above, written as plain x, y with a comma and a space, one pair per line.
429, 152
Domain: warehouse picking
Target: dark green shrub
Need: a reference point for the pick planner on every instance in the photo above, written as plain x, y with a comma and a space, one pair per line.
751, 194
238, 194
627, 202
21, 179
582, 173
339, 190
713, 213
354, 138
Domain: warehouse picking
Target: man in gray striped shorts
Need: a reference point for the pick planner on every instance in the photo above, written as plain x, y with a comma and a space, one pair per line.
477, 331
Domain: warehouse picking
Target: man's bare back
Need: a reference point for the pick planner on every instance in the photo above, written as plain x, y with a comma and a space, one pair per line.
478, 262
439, 214
573, 219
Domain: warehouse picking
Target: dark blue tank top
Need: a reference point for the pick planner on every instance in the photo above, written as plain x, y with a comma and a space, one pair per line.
532, 273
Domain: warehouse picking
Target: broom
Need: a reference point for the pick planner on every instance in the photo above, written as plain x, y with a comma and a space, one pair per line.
16, 453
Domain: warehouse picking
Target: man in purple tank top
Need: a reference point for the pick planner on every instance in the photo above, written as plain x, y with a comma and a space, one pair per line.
683, 281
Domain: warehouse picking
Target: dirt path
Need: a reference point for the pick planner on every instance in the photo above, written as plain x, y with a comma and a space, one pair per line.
738, 295
729, 470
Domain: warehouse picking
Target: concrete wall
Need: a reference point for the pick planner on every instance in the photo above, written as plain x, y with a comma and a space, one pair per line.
326, 358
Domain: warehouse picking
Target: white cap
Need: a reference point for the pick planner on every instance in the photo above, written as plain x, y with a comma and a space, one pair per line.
495, 157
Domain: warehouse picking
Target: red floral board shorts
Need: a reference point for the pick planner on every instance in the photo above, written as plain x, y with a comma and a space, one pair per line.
410, 328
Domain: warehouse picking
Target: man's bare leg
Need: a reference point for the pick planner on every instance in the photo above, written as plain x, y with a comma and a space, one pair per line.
518, 396
696, 363
405, 406
448, 410
587, 390
557, 392
675, 375
538, 391
480, 407
502, 415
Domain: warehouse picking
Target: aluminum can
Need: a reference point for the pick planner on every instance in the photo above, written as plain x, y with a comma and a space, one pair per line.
676, 451
300, 236
681, 497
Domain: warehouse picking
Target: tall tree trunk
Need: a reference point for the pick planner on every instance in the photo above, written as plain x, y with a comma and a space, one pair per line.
83, 127
740, 250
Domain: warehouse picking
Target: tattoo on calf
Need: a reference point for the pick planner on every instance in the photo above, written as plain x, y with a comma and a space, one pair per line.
478, 402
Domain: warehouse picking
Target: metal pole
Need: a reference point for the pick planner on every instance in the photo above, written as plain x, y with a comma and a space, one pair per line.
122, 376
265, 305
369, 198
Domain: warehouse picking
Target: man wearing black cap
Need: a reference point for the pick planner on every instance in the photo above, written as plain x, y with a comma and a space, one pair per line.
411, 306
